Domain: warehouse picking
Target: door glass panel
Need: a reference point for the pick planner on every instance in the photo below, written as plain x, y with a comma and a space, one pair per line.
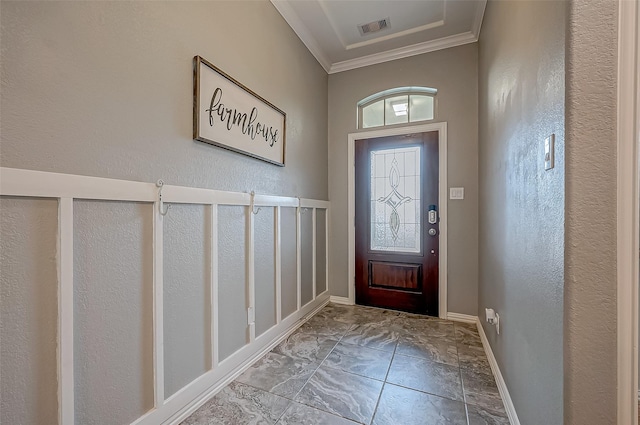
395, 199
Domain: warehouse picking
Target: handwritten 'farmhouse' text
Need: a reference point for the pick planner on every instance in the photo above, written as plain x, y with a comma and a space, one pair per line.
246, 122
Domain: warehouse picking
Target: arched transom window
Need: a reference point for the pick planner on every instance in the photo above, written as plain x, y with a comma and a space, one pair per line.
397, 106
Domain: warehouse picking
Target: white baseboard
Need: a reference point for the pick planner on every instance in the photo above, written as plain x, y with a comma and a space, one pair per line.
464, 318
340, 300
502, 385
187, 400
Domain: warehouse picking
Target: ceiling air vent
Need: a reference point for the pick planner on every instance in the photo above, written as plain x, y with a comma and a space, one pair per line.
374, 26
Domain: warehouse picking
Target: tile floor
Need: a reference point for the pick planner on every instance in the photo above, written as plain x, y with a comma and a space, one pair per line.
360, 365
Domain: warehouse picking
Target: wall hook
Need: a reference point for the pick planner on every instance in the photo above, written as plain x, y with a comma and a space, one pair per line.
253, 209
302, 209
161, 208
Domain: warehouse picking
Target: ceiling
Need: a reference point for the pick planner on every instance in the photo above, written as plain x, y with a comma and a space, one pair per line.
330, 28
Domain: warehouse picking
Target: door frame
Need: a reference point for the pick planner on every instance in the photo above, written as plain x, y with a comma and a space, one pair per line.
441, 128
628, 227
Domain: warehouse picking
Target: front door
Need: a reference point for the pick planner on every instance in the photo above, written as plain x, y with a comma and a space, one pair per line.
396, 221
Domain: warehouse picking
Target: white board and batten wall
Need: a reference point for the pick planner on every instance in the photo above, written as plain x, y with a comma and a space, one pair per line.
196, 312
119, 105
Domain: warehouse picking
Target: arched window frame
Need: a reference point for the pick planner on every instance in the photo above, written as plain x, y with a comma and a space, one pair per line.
399, 91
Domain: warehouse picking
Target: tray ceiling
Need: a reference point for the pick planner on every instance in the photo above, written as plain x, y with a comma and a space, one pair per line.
333, 29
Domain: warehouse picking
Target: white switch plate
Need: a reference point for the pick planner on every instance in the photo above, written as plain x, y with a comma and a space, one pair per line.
456, 193
549, 148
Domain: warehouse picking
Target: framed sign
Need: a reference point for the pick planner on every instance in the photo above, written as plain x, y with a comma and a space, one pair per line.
229, 115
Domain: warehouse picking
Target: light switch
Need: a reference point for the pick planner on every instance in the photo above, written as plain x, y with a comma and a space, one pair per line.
549, 148
456, 193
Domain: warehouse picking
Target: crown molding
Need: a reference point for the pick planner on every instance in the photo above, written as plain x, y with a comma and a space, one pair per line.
477, 20
302, 32
405, 52
294, 21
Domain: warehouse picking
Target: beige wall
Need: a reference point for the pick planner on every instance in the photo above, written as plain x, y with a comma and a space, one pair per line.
590, 240
522, 74
454, 72
105, 89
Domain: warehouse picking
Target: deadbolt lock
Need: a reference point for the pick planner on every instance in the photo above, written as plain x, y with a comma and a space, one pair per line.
432, 231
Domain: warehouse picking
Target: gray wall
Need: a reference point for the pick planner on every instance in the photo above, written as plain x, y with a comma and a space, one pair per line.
454, 72
590, 256
105, 89
522, 71
28, 311
113, 311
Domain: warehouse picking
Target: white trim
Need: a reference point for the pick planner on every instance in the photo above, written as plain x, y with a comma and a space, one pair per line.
66, 188
158, 309
405, 52
299, 257
441, 128
302, 32
341, 300
462, 318
267, 342
326, 249
627, 212
479, 16
313, 253
502, 385
278, 263
314, 47
215, 357
313, 203
251, 275
32, 183
66, 394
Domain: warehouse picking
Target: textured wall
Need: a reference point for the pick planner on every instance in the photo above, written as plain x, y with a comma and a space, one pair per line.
289, 261
105, 89
321, 246
187, 339
454, 72
28, 311
232, 278
522, 71
265, 273
306, 242
113, 312
119, 103
590, 265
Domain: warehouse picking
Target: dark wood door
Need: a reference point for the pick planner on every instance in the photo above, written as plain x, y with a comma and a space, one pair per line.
396, 222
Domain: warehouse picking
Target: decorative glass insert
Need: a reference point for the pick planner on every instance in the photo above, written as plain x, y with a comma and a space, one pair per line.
395, 199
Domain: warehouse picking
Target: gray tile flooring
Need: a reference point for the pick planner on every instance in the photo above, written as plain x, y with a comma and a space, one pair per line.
360, 365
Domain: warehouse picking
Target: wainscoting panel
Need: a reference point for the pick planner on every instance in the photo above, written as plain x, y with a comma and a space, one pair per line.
289, 284
28, 310
164, 293
187, 286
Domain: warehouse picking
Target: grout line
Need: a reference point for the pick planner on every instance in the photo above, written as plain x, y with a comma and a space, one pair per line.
384, 384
